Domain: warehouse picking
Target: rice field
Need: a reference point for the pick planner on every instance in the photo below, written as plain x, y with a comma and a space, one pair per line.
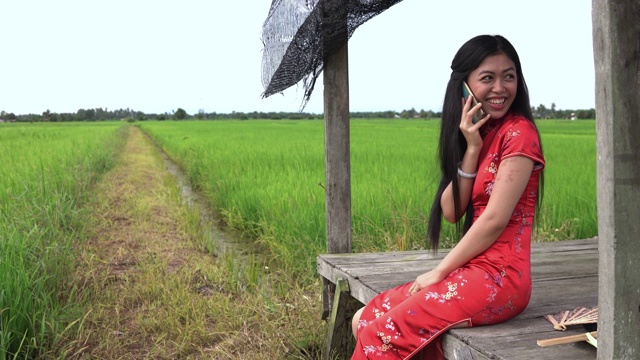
266, 178
47, 171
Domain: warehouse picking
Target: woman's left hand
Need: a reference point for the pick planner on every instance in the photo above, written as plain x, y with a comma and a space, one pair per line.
426, 279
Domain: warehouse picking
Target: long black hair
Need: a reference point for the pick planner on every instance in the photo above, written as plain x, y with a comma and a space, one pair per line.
453, 145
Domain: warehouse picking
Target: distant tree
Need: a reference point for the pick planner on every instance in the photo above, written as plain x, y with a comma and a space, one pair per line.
161, 117
201, 115
542, 111
46, 115
11, 116
66, 117
408, 114
101, 114
586, 114
428, 114
90, 115
180, 114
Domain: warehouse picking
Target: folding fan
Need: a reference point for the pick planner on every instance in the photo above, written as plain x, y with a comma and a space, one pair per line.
577, 316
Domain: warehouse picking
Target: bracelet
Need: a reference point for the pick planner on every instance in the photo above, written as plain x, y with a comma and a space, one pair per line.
464, 174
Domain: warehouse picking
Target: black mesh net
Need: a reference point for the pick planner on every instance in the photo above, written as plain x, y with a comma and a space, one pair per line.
299, 34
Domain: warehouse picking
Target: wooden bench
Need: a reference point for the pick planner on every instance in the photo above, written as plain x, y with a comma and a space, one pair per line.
564, 273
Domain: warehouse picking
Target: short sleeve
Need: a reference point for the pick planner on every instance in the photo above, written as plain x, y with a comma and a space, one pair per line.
521, 139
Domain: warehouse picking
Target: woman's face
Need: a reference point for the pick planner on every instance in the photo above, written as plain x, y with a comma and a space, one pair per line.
495, 83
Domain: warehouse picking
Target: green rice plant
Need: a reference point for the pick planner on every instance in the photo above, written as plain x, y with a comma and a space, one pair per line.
569, 209
267, 178
47, 170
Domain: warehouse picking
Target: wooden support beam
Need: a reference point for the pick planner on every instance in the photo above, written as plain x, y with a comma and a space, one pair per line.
616, 40
336, 134
336, 117
340, 341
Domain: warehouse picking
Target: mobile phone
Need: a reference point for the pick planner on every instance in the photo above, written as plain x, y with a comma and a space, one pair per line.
466, 91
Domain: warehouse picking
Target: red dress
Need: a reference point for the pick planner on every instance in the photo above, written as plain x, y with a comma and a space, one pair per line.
493, 287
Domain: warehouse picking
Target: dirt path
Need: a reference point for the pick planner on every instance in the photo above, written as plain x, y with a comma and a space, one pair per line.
141, 267
151, 291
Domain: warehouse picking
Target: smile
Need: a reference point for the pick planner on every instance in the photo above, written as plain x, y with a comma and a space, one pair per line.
496, 101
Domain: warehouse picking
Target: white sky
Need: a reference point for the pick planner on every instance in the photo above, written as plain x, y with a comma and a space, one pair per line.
158, 55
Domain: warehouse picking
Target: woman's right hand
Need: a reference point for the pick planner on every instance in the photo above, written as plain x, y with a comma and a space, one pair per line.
426, 279
470, 130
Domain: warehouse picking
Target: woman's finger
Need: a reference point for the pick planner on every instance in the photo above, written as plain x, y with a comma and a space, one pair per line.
466, 104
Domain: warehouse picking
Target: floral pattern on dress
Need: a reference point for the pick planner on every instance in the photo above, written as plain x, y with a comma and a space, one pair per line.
386, 305
497, 277
491, 168
497, 310
510, 135
521, 217
362, 323
386, 339
452, 292
426, 335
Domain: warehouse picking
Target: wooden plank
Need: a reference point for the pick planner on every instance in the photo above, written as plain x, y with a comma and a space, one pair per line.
563, 245
616, 45
352, 258
545, 262
518, 343
454, 348
517, 339
585, 260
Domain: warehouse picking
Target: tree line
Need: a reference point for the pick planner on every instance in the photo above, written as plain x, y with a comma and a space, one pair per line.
100, 114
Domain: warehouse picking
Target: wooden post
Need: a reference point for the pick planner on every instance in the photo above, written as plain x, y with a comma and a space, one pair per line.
336, 129
340, 342
616, 40
336, 142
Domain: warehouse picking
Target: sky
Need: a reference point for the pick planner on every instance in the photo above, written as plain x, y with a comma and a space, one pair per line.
156, 56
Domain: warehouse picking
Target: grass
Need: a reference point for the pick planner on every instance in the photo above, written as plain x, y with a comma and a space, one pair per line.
266, 179
46, 173
569, 209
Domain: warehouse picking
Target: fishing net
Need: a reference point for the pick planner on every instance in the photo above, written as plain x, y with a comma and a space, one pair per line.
298, 34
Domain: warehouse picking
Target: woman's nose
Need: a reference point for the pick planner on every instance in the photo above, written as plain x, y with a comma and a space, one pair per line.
498, 86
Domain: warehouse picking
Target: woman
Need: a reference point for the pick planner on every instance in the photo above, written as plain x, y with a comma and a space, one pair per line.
491, 171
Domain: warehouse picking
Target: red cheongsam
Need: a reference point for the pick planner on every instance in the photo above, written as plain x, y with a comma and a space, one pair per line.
493, 287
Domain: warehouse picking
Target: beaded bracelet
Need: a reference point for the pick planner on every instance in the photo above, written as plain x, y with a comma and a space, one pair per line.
464, 174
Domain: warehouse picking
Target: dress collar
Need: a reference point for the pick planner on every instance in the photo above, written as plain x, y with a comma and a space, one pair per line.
491, 125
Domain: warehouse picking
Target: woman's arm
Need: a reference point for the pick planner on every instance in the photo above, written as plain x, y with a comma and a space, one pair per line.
469, 165
511, 180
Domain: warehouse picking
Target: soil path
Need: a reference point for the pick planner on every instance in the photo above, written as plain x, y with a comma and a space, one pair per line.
152, 291
148, 284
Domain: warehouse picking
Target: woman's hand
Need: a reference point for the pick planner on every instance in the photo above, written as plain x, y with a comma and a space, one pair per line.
426, 279
470, 130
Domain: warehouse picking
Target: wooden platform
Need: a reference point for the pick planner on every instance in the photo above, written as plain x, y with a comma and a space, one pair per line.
565, 276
